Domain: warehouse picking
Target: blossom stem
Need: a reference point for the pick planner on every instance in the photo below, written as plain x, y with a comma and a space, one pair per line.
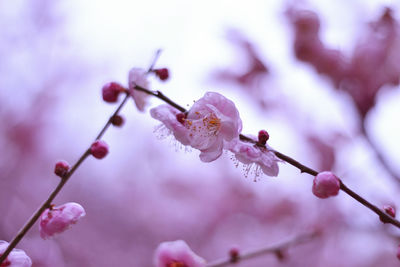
55, 192
304, 169
274, 249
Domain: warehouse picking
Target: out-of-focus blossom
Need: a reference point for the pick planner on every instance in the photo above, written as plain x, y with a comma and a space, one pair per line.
61, 169
374, 62
138, 76
99, 149
16, 258
256, 67
58, 219
251, 155
212, 120
177, 254
111, 91
325, 185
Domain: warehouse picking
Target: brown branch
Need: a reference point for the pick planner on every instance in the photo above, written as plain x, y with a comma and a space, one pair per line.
304, 169
28, 225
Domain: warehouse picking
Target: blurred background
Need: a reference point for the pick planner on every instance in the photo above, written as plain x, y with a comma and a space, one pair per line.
324, 83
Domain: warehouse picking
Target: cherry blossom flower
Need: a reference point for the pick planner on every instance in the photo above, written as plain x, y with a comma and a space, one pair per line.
58, 219
16, 258
325, 185
177, 254
137, 76
251, 155
212, 120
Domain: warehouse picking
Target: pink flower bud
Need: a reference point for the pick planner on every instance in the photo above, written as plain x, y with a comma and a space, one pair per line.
58, 219
177, 253
117, 120
16, 258
390, 210
234, 255
325, 185
99, 149
111, 92
61, 169
163, 73
263, 137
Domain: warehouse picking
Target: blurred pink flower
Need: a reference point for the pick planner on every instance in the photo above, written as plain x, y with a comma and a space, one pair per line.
250, 155
325, 185
177, 254
210, 121
16, 258
58, 219
138, 77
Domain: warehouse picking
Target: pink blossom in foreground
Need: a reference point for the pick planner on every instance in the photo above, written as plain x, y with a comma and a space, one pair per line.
58, 219
212, 120
250, 155
138, 77
325, 185
177, 254
16, 258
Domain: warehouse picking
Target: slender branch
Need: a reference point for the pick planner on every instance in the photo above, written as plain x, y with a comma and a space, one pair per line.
55, 192
275, 249
304, 169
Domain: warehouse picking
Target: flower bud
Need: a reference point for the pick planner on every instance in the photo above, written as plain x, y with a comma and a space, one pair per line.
58, 219
325, 185
99, 149
263, 137
117, 120
111, 92
162, 74
61, 169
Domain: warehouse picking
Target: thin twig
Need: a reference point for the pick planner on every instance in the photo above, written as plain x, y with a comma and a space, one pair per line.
55, 192
277, 248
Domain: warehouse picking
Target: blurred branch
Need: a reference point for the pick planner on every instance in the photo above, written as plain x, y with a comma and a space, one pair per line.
378, 153
276, 249
304, 169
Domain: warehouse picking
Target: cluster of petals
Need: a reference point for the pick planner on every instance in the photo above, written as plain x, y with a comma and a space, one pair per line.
176, 254
16, 258
374, 62
58, 219
210, 122
326, 184
250, 154
138, 77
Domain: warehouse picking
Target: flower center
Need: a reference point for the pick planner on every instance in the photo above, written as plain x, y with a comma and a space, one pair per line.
207, 126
